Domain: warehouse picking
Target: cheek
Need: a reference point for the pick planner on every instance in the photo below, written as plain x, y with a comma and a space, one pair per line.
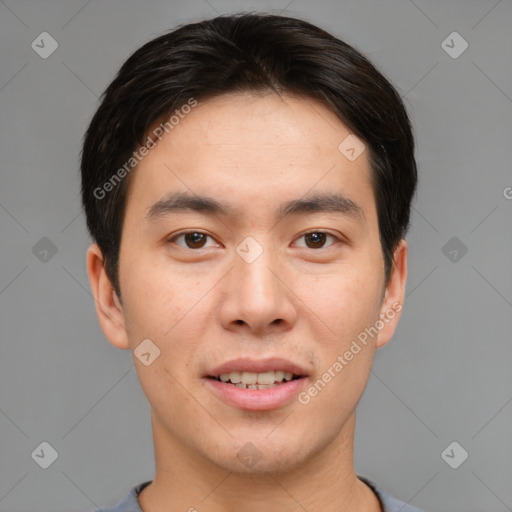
345, 303
346, 349
170, 309
349, 305
159, 299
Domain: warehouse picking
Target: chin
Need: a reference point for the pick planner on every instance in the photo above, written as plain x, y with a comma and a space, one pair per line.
258, 456
272, 463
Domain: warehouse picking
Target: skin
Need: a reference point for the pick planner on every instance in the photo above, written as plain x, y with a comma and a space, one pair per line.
298, 300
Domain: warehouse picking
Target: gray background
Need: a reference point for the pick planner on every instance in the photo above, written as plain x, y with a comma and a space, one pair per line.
444, 377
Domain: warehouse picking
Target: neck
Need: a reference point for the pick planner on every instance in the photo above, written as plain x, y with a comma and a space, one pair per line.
186, 480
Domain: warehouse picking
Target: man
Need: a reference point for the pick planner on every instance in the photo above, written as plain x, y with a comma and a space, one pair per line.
247, 182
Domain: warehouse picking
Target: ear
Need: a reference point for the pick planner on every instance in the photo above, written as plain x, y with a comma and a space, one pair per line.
394, 295
108, 308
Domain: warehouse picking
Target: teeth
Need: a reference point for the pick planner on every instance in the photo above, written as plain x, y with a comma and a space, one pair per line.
256, 386
235, 377
279, 375
266, 378
250, 380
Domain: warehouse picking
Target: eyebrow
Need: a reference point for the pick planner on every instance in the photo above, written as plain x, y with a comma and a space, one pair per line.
320, 202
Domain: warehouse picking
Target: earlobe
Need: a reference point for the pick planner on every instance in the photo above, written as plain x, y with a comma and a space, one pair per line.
394, 295
108, 308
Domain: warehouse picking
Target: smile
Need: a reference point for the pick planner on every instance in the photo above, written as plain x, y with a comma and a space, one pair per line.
253, 380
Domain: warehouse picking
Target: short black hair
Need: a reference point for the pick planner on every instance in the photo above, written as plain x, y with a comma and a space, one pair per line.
238, 53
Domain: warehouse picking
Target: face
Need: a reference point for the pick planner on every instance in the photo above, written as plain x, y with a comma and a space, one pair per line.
284, 274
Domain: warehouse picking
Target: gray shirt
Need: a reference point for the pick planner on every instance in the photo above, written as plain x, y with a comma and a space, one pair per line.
388, 503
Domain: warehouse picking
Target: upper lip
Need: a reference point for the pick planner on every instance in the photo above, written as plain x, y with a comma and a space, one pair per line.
257, 366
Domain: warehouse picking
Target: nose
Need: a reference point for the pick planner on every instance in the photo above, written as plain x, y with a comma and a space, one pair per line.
258, 295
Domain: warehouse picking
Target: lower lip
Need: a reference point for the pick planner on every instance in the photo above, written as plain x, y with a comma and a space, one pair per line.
256, 399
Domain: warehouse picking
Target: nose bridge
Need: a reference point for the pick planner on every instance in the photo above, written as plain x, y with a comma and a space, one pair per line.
257, 296
255, 259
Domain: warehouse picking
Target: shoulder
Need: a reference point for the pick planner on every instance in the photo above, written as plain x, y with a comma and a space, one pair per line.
129, 503
389, 504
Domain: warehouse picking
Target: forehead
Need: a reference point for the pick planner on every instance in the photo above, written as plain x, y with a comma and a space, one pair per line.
260, 120
251, 146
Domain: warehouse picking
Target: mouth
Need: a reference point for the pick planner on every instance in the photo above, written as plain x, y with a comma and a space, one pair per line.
252, 380
257, 385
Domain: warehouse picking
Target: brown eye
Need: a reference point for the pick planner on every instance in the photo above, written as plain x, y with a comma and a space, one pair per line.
193, 239
316, 239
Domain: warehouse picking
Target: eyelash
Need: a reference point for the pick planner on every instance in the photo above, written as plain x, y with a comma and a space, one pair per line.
175, 237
